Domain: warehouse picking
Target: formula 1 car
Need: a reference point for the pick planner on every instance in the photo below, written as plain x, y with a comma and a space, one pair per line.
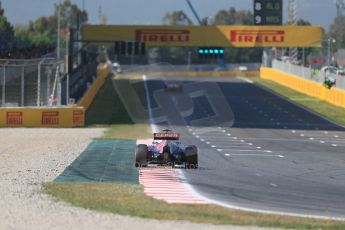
173, 87
166, 150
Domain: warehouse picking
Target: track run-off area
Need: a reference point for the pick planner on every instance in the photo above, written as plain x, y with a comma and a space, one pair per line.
257, 150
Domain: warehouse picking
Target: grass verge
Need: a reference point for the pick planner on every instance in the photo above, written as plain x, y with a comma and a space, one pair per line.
107, 108
332, 112
108, 111
127, 132
130, 200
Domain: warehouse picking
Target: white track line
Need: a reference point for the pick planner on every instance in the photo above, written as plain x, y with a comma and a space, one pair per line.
237, 207
229, 205
245, 79
163, 183
256, 155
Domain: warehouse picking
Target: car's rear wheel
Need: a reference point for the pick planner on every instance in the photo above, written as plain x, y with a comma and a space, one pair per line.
141, 155
191, 157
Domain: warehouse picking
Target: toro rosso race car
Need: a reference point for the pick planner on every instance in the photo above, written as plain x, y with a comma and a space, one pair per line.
166, 150
173, 87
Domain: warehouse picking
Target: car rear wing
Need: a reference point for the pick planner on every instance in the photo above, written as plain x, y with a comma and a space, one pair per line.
166, 136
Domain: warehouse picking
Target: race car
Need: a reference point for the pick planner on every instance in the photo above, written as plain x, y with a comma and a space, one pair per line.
173, 87
166, 150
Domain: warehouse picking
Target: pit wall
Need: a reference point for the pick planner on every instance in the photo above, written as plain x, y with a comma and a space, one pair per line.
334, 96
102, 74
42, 117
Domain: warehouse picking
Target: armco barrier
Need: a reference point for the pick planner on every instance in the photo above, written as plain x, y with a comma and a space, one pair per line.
196, 74
210, 74
334, 96
102, 74
42, 117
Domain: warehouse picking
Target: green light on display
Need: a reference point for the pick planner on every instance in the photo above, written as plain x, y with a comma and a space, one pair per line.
210, 52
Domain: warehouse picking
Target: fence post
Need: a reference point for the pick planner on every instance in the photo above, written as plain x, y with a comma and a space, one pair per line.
3, 84
58, 92
39, 83
49, 73
303, 71
67, 89
22, 88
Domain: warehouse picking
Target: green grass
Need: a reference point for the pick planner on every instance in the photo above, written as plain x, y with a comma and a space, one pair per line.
130, 200
128, 132
107, 108
108, 111
332, 112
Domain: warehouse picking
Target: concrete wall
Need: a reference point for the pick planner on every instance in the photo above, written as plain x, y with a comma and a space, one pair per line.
334, 96
102, 74
42, 117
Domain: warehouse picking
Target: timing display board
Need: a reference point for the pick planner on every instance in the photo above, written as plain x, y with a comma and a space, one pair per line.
268, 12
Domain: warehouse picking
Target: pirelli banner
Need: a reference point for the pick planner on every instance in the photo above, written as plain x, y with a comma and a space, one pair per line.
206, 36
42, 117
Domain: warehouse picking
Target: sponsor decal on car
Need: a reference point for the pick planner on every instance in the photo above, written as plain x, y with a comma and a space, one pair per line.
166, 136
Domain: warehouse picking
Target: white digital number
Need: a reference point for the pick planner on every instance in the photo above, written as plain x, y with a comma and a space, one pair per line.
258, 19
258, 6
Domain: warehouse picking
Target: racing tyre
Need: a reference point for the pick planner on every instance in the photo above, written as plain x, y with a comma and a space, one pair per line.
191, 157
141, 156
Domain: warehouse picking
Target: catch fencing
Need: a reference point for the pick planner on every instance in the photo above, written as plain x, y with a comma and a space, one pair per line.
32, 82
308, 73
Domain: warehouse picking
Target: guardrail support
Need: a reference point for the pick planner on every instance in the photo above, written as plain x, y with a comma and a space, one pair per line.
38, 102
67, 89
3, 84
22, 87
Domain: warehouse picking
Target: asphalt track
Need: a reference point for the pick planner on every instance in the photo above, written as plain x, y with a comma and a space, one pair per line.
256, 149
